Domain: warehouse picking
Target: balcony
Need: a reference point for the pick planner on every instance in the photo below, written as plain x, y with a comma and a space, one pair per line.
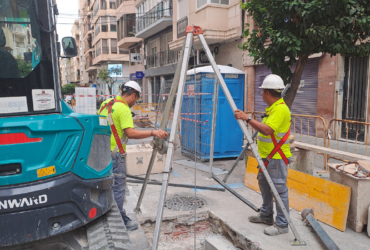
129, 37
157, 19
181, 27
162, 59
21, 30
103, 58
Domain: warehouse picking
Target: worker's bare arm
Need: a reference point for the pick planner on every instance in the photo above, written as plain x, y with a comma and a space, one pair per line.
138, 134
259, 126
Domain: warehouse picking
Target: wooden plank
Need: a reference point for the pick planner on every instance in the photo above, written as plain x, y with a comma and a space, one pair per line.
332, 152
329, 199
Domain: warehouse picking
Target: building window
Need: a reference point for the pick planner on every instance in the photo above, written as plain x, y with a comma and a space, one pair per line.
97, 30
105, 46
113, 46
98, 49
123, 51
132, 51
96, 7
131, 22
104, 24
113, 24
112, 4
103, 5
200, 3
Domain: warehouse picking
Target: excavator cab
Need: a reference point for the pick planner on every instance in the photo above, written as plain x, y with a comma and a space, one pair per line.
55, 165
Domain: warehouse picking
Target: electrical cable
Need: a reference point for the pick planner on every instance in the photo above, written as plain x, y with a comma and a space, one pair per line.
39, 23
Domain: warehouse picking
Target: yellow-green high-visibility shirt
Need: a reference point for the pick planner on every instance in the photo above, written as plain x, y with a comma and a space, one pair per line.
122, 118
279, 119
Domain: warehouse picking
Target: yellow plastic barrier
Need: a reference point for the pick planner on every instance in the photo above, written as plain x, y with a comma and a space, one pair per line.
330, 200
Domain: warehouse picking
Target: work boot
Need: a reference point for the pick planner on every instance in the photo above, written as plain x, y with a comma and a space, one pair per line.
275, 230
259, 219
131, 226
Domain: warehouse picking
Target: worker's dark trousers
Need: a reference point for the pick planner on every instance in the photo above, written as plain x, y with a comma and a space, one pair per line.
119, 171
278, 172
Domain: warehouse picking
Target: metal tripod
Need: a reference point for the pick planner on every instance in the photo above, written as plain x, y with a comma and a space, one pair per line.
179, 84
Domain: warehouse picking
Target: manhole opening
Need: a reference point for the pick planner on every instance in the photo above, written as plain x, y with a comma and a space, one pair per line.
184, 203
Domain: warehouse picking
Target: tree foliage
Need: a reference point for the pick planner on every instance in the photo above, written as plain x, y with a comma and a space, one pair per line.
24, 67
288, 31
68, 89
109, 76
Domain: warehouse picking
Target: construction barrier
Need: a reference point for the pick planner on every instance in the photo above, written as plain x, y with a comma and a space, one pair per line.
342, 134
330, 200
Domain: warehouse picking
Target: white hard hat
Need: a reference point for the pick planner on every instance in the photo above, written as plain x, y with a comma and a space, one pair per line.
273, 81
132, 84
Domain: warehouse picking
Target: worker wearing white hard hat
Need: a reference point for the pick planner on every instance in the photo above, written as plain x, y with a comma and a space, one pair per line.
130, 93
274, 148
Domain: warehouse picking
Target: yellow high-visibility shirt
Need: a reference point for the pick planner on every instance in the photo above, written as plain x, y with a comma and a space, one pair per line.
279, 119
122, 118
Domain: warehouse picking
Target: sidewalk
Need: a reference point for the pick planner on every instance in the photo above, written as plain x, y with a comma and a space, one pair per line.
234, 213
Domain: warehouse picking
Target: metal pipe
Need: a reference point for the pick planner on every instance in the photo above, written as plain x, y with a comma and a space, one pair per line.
171, 146
214, 121
178, 185
297, 241
236, 194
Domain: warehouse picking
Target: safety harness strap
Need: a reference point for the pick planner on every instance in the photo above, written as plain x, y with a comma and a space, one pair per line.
277, 149
112, 126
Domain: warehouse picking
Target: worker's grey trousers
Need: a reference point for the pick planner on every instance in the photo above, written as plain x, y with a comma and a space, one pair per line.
278, 172
119, 171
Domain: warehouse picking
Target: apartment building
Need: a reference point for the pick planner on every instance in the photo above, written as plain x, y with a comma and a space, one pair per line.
74, 63
126, 34
222, 25
154, 26
63, 72
19, 41
162, 25
100, 43
84, 76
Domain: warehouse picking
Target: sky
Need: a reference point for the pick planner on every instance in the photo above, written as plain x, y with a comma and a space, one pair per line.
68, 13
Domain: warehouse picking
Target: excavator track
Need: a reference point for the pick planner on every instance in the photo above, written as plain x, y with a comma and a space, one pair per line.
109, 232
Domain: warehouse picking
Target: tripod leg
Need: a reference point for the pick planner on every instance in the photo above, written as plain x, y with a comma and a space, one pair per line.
171, 146
297, 241
214, 121
164, 121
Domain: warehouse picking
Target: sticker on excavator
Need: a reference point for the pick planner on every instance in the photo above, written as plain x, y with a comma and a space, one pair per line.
103, 121
45, 171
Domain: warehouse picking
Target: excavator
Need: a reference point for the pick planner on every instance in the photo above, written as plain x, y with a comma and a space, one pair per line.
55, 165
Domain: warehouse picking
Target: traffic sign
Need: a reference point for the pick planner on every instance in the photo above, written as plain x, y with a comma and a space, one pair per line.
140, 75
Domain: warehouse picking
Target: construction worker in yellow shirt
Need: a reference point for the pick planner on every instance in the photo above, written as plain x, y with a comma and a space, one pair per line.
122, 127
274, 149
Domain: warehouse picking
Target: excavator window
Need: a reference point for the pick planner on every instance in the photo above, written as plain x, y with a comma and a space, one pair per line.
26, 66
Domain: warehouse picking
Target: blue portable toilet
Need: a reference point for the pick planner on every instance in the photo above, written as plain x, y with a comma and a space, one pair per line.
196, 114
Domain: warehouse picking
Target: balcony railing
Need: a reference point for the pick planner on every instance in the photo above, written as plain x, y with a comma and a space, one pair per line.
181, 27
161, 10
162, 59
